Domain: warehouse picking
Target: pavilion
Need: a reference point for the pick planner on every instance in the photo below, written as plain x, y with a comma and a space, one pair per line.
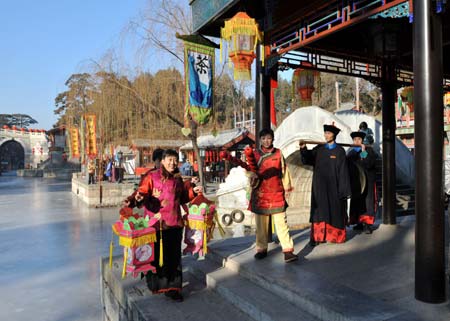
388, 42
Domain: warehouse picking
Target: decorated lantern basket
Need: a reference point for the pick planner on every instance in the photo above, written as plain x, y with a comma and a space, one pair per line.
137, 239
199, 226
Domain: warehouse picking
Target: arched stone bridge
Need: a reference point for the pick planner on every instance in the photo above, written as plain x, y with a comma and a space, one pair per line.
307, 123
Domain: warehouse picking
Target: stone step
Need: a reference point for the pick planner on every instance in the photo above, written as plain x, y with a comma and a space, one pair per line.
130, 300
309, 292
250, 298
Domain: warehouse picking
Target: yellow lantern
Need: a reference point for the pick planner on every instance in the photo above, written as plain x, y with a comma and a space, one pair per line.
242, 34
447, 99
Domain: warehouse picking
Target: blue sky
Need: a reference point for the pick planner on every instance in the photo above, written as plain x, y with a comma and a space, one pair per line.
43, 42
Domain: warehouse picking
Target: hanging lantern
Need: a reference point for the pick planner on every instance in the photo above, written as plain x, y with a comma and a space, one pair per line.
407, 94
303, 83
447, 99
242, 34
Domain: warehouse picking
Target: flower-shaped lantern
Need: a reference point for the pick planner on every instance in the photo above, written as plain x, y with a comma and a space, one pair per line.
242, 34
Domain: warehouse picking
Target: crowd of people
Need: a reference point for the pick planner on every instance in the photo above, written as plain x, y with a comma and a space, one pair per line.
110, 169
338, 176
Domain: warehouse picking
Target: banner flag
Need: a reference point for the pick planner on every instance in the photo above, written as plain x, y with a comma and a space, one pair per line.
199, 60
91, 134
74, 143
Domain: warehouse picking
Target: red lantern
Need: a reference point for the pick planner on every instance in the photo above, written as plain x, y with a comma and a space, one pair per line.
303, 83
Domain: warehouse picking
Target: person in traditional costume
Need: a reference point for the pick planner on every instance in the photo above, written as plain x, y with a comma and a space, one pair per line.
268, 198
162, 192
330, 188
363, 203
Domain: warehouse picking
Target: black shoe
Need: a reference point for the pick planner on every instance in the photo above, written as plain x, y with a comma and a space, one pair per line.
177, 296
368, 229
260, 255
313, 243
174, 295
358, 227
290, 257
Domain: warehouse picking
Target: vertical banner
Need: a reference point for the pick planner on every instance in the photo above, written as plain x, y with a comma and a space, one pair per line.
82, 139
74, 143
199, 77
91, 134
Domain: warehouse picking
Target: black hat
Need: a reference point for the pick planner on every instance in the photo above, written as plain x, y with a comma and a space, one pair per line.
331, 128
358, 134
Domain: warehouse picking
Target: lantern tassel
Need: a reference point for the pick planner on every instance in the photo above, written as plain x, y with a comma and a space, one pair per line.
125, 258
221, 230
111, 246
161, 254
205, 242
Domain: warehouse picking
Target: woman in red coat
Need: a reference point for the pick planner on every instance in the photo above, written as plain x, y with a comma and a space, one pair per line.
162, 192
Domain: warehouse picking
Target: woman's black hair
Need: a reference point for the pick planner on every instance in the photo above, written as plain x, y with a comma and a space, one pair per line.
157, 154
169, 152
266, 131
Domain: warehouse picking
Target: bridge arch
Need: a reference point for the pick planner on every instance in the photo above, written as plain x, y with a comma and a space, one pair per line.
12, 155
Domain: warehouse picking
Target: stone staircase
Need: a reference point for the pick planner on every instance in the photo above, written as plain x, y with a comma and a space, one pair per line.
405, 195
278, 292
368, 278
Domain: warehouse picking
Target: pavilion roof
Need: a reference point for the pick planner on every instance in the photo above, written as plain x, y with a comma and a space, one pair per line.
224, 139
294, 26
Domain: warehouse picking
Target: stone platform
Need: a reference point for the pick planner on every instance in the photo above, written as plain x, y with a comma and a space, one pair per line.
370, 277
112, 194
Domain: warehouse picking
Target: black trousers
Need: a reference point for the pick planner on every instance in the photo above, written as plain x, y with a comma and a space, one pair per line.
168, 277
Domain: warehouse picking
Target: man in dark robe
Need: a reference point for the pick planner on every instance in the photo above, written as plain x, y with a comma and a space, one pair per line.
363, 202
330, 188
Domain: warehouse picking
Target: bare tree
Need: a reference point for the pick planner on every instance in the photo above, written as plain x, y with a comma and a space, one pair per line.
157, 28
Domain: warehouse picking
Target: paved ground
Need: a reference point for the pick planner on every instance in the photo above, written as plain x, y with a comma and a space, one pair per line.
50, 245
379, 266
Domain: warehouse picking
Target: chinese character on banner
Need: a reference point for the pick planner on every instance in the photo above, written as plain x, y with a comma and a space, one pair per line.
199, 76
74, 143
91, 128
